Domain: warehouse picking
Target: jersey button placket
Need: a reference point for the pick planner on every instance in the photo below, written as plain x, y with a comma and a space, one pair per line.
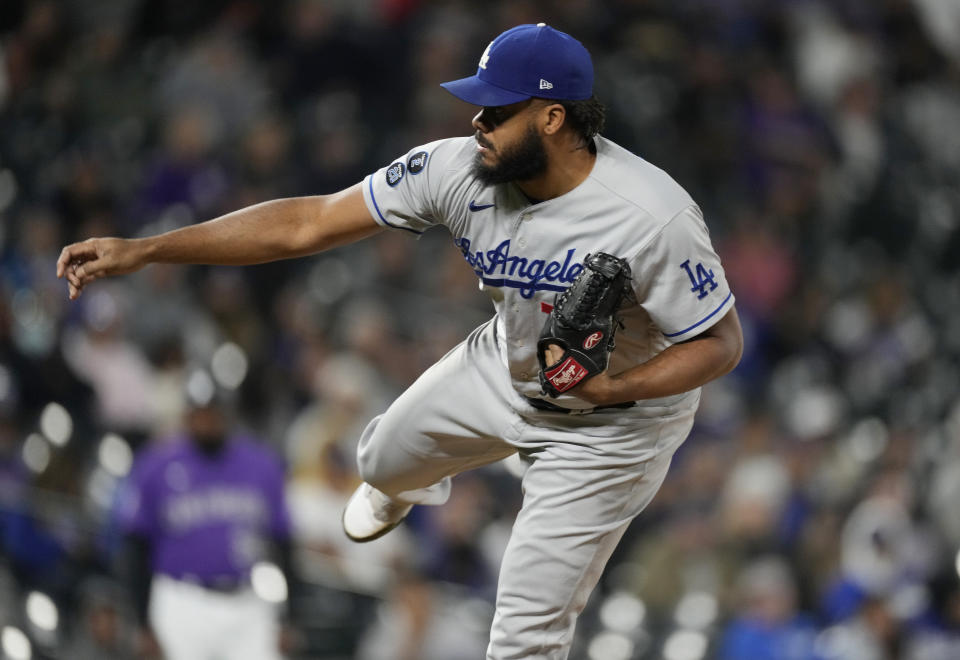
516, 225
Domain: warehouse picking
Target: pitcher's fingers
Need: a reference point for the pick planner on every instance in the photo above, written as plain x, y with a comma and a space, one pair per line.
74, 283
71, 276
88, 271
554, 352
73, 253
62, 262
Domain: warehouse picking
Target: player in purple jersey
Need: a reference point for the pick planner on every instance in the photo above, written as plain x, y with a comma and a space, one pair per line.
202, 509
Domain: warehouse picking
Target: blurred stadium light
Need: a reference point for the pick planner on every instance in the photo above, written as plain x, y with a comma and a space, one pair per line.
685, 645
609, 645
268, 582
622, 612
229, 365
115, 455
41, 611
56, 424
15, 644
696, 610
36, 453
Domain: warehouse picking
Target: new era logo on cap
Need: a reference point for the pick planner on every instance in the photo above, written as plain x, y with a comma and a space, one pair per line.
527, 61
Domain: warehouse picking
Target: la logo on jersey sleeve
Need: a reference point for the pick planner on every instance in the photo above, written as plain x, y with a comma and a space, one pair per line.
700, 278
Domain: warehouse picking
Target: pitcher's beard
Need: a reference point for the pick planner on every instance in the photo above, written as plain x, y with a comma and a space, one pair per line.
524, 161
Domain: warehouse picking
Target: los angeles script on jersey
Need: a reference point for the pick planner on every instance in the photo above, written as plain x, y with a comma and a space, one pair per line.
498, 268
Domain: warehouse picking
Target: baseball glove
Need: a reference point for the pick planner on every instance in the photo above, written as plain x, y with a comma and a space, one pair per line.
583, 322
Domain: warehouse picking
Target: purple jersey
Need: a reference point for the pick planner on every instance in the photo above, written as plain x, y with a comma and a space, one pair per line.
207, 517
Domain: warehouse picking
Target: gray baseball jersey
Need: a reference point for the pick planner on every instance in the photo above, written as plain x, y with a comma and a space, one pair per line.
524, 253
588, 475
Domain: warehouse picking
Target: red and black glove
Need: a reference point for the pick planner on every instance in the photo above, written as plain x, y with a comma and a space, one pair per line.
583, 322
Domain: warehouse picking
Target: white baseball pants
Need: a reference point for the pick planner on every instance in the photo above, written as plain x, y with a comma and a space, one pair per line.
193, 623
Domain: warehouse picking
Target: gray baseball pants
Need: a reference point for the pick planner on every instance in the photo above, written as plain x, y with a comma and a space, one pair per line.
588, 476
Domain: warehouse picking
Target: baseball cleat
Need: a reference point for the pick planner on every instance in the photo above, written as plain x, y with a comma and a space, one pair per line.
370, 514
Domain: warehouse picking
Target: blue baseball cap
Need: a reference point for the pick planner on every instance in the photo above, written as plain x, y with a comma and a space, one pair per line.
526, 61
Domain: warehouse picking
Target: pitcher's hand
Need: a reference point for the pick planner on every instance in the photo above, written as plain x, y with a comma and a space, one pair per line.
599, 389
82, 263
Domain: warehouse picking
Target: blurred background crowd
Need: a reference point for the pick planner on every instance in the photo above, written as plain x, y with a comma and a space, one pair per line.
813, 513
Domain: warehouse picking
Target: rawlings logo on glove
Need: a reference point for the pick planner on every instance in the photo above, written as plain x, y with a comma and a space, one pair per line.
583, 322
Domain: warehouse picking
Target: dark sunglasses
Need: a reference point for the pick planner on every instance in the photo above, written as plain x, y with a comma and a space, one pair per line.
494, 116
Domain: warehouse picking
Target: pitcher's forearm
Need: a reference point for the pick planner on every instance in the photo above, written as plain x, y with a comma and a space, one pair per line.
679, 368
278, 229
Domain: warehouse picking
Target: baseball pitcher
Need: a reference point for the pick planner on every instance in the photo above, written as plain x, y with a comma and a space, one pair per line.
611, 310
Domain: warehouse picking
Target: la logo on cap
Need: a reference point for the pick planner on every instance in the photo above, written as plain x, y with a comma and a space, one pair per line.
485, 57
